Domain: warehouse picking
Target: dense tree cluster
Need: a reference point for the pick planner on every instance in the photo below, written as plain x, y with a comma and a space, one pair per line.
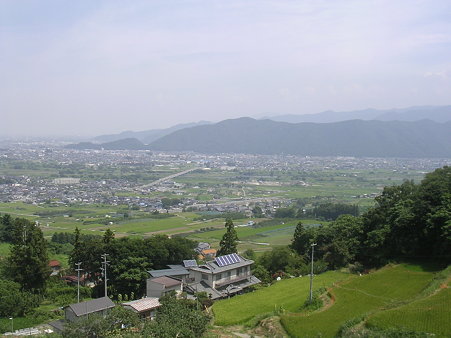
27, 263
130, 258
408, 221
177, 318
331, 211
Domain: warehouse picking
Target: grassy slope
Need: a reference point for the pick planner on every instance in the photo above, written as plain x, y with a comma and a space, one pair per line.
357, 297
289, 294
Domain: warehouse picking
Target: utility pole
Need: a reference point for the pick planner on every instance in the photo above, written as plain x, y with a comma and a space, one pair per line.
311, 273
78, 280
104, 265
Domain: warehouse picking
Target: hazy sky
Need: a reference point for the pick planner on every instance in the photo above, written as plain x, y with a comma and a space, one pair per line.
89, 67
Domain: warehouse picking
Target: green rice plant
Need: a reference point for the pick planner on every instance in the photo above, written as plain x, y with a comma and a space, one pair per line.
356, 297
431, 314
289, 294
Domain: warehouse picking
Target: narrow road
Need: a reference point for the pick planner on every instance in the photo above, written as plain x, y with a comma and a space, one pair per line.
161, 180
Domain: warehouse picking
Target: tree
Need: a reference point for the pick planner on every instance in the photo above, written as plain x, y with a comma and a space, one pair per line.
76, 254
228, 244
6, 228
108, 236
301, 239
285, 213
257, 211
14, 302
28, 260
177, 318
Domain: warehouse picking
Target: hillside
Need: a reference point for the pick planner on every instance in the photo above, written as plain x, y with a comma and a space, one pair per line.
124, 144
439, 114
349, 138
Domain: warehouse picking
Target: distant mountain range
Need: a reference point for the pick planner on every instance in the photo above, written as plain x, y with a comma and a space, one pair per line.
410, 132
348, 138
146, 136
434, 113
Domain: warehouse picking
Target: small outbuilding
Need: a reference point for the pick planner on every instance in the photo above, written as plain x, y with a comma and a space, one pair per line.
144, 307
157, 287
77, 311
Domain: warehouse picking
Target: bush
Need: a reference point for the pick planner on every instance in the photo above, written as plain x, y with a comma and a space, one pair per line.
316, 302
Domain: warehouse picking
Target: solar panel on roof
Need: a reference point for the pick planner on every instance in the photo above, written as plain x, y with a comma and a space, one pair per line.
189, 263
227, 259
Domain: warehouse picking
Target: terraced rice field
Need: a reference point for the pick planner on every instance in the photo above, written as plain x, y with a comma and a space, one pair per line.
288, 294
431, 314
388, 287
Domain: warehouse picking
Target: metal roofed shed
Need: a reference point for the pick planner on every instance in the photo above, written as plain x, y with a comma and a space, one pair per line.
178, 271
99, 305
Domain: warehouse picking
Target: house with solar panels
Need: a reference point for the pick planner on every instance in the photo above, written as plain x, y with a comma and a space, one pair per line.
224, 276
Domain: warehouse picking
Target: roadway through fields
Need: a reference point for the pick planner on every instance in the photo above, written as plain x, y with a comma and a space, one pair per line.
161, 180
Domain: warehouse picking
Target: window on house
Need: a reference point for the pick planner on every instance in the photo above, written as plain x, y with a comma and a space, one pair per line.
218, 277
204, 276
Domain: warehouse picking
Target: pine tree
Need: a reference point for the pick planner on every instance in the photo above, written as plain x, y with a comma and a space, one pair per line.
76, 253
228, 244
28, 260
301, 240
108, 236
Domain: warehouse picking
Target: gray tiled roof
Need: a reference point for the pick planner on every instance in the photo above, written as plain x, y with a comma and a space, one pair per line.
91, 306
203, 287
166, 281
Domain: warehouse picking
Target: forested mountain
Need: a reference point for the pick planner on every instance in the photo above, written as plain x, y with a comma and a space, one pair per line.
349, 138
124, 144
434, 113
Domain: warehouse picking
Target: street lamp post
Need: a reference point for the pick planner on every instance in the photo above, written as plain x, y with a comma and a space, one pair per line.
12, 324
311, 273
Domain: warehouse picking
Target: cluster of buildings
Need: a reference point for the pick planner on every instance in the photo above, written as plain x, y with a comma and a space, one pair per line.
221, 277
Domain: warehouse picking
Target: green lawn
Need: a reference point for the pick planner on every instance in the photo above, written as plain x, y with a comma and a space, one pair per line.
289, 294
357, 297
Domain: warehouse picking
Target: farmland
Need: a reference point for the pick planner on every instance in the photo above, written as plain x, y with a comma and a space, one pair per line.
395, 296
286, 294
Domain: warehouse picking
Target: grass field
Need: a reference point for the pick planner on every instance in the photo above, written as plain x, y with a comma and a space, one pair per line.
289, 294
363, 295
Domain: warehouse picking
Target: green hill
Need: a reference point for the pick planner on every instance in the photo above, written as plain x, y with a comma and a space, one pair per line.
349, 138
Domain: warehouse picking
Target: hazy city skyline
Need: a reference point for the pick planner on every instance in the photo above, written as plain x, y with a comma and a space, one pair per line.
90, 68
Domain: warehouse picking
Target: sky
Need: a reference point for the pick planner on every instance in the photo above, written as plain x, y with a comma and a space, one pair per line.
90, 67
